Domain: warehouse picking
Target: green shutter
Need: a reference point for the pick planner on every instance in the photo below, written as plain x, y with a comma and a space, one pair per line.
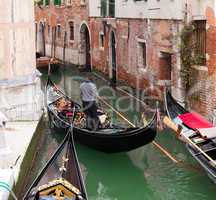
111, 8
57, 2
47, 2
103, 8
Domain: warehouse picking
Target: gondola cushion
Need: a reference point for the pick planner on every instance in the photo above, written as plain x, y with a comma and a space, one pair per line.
194, 120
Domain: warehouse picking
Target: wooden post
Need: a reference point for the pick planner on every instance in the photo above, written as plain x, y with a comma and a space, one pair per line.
64, 47
44, 40
54, 42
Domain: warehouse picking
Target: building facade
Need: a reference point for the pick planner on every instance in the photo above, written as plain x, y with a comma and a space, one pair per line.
20, 92
143, 44
138, 41
62, 30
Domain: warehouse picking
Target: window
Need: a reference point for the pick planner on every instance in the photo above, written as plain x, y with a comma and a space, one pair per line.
200, 41
58, 31
111, 8
101, 39
36, 28
71, 30
46, 2
83, 2
48, 30
141, 54
69, 2
108, 8
103, 8
57, 2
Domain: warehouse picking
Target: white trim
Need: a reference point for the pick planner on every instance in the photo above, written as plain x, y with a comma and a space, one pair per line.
198, 17
69, 4
164, 82
140, 40
200, 68
124, 37
83, 2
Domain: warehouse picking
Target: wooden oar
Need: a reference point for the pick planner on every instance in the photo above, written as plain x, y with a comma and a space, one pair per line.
117, 112
164, 151
174, 127
137, 99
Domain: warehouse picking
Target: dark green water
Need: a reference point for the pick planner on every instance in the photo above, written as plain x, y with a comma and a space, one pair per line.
142, 174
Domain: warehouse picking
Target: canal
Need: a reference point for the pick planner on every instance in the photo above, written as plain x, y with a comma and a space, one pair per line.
142, 174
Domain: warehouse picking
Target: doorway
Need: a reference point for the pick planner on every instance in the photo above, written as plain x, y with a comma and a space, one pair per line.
113, 59
85, 47
41, 40
165, 64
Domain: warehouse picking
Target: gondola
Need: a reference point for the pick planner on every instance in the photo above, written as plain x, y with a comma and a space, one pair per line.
198, 134
61, 177
109, 139
42, 63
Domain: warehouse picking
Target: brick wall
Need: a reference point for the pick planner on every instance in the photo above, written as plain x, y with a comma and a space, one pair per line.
61, 15
204, 77
159, 36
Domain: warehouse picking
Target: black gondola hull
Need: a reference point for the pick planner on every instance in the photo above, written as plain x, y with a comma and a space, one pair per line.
173, 110
111, 143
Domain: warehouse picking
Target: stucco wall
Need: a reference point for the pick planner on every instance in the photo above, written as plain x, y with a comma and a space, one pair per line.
17, 53
166, 9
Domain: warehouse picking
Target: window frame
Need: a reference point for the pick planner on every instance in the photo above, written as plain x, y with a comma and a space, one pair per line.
141, 43
69, 29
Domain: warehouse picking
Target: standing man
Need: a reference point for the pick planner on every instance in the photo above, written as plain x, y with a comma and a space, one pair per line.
89, 96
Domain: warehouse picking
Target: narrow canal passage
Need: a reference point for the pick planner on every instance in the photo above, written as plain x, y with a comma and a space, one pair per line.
142, 174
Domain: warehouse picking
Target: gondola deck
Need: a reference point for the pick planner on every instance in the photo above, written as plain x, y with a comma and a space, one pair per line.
61, 177
203, 149
110, 139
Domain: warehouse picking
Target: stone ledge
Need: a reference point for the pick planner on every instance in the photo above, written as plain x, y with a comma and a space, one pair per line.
21, 81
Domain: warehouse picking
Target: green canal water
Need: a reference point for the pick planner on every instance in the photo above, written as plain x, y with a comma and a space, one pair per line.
142, 174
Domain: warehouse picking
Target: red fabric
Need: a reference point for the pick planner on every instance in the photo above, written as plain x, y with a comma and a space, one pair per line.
69, 114
195, 121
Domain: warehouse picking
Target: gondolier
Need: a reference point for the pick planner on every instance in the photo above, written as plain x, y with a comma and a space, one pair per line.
89, 96
109, 139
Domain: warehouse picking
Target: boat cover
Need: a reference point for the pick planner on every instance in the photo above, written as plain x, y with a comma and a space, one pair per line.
194, 120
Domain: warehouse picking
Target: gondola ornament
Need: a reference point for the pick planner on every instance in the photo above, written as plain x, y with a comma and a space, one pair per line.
63, 168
